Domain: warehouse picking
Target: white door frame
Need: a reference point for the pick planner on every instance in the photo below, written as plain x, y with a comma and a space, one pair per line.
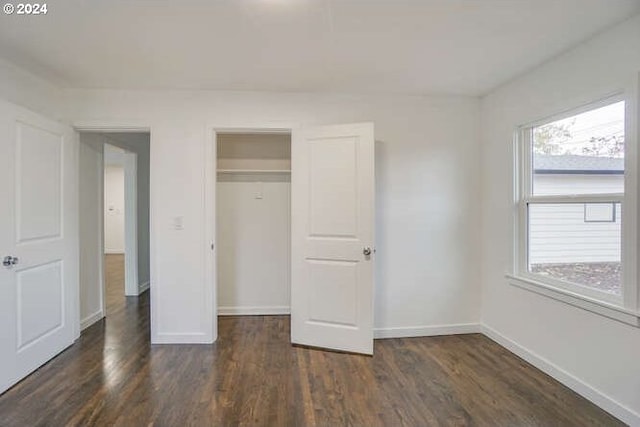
131, 237
131, 285
210, 203
99, 212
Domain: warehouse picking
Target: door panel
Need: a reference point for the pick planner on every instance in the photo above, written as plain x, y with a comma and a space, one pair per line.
38, 226
38, 186
333, 292
40, 302
332, 178
332, 223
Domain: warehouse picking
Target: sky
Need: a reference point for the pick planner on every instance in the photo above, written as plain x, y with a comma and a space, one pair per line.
601, 122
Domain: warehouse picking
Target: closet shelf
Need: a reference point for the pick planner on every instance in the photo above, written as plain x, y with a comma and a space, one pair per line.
246, 171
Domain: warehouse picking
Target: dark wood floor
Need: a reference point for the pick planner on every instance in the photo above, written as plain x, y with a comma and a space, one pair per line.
253, 376
114, 284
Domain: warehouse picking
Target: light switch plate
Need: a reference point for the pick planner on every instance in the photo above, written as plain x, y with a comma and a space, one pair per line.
178, 223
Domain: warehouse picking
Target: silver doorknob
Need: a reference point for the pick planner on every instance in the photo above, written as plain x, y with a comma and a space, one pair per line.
366, 251
9, 261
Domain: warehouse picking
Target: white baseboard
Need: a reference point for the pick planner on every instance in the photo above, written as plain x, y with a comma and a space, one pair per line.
143, 287
113, 252
254, 310
585, 390
185, 338
91, 319
426, 331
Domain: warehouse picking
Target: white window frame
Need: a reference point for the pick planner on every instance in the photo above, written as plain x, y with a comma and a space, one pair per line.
622, 307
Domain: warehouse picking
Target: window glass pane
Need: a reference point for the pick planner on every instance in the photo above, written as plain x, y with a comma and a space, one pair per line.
564, 246
582, 154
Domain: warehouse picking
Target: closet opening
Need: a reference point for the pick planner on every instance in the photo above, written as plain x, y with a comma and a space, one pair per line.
253, 223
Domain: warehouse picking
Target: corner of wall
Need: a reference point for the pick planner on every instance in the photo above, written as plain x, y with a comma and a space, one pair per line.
587, 391
23, 88
91, 319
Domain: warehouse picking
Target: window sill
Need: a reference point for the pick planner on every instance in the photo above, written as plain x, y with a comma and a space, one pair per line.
611, 311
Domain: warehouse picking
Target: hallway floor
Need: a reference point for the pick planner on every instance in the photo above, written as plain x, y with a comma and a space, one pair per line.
114, 282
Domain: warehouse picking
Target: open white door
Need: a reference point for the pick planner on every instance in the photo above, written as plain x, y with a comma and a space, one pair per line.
38, 241
332, 222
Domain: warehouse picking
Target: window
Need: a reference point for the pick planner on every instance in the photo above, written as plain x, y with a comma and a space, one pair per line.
599, 212
571, 202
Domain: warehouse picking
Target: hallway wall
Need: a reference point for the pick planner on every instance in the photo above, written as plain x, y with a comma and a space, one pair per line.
91, 226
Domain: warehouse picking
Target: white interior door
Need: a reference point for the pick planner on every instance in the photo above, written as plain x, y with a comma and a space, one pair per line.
332, 222
38, 241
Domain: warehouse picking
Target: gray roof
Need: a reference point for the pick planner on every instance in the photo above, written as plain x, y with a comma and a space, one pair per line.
574, 164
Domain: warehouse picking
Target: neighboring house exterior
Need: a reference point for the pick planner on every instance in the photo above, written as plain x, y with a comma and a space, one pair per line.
577, 232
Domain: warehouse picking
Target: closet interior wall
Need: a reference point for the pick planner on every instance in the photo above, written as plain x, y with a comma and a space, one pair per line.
253, 214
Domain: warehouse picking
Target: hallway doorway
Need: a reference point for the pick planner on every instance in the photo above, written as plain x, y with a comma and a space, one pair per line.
114, 222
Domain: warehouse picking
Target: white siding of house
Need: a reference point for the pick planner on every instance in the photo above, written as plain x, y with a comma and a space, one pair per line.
549, 185
558, 233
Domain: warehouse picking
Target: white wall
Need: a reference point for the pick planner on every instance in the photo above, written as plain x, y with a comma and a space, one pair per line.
253, 244
90, 232
138, 143
30, 91
427, 196
595, 355
113, 209
253, 222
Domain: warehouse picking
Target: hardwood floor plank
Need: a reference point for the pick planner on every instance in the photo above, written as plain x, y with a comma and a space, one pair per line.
253, 376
